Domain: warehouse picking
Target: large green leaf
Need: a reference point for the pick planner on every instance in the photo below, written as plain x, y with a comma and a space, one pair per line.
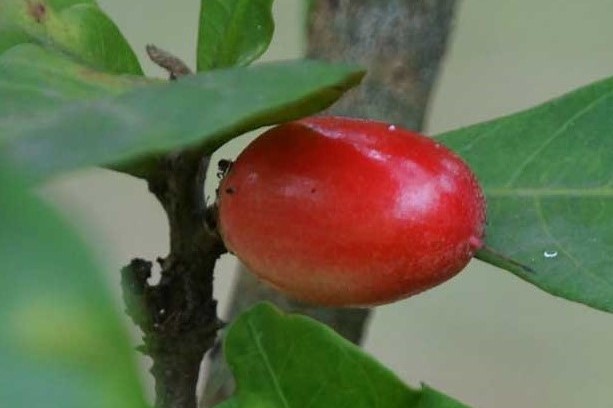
233, 32
54, 115
78, 28
548, 176
61, 343
293, 361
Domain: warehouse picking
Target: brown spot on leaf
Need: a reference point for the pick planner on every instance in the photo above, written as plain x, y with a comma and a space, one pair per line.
111, 82
37, 10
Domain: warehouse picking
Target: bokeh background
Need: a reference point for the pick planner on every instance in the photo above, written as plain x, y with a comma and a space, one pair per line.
485, 337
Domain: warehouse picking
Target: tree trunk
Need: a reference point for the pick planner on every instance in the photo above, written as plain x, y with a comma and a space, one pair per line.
401, 44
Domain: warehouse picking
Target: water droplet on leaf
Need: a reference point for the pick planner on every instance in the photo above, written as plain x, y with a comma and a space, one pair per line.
550, 254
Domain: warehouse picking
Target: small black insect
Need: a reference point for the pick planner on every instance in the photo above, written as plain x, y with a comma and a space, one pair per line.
223, 167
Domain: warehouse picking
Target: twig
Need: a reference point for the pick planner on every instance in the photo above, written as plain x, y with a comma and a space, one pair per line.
174, 65
178, 316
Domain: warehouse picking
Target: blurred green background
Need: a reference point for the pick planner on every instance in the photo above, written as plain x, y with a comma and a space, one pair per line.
485, 337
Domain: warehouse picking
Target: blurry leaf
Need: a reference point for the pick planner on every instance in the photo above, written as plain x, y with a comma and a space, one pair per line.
548, 176
60, 5
61, 343
34, 80
77, 28
57, 116
233, 32
293, 361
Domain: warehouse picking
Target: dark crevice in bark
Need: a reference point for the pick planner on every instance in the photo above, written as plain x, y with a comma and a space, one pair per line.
401, 43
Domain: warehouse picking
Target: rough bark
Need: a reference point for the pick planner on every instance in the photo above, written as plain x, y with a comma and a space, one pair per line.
401, 43
178, 315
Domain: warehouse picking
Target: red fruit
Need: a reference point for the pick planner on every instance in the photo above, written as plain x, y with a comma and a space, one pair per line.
348, 212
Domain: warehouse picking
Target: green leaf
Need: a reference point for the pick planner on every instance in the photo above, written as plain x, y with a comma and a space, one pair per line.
233, 32
77, 28
60, 5
34, 80
54, 117
293, 361
547, 173
61, 343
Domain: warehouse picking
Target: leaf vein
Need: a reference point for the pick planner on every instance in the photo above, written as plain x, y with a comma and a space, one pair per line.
554, 136
604, 192
562, 248
271, 372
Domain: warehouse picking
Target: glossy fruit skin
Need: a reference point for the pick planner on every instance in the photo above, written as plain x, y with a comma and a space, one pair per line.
347, 212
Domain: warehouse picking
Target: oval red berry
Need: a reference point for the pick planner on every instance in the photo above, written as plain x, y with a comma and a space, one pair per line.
347, 212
